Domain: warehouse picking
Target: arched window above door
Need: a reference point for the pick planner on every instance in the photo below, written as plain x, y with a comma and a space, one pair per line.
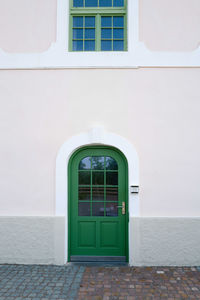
98, 163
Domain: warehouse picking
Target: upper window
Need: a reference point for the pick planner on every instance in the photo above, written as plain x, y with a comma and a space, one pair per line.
98, 25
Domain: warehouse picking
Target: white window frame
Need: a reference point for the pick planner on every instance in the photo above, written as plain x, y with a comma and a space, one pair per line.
138, 55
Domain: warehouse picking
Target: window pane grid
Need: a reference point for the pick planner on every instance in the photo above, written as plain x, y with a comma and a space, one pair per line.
98, 199
98, 3
87, 37
112, 33
83, 33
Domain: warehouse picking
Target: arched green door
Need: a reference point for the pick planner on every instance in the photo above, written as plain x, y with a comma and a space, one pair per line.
98, 206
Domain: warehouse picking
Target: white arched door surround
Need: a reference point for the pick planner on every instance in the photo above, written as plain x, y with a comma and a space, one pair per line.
96, 136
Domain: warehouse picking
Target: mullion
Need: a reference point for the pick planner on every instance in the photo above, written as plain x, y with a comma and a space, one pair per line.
84, 33
107, 201
94, 185
98, 186
112, 32
86, 201
98, 201
98, 32
95, 170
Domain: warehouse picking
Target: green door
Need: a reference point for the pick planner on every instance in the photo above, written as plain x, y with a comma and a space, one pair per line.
98, 207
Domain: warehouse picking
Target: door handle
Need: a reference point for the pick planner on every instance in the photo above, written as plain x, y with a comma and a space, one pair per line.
123, 208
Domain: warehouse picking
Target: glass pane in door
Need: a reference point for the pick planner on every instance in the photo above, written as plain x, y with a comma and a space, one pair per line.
98, 187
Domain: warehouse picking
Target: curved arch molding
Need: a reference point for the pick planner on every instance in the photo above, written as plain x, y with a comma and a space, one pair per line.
101, 137
138, 55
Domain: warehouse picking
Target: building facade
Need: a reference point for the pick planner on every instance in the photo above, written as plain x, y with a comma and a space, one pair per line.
100, 131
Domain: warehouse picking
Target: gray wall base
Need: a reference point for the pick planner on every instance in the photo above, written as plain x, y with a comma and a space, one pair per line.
32, 240
154, 241
166, 241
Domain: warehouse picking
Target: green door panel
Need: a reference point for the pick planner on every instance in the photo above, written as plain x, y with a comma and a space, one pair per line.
98, 179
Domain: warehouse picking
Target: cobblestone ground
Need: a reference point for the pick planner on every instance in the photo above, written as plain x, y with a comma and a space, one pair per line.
25, 282
127, 283
19, 282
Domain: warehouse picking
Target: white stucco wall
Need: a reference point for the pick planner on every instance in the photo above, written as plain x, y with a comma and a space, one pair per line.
170, 25
27, 25
159, 116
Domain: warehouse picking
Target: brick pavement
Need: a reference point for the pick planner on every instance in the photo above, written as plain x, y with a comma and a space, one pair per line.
129, 283
72, 282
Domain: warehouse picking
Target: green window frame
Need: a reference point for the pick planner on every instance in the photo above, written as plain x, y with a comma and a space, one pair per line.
97, 28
